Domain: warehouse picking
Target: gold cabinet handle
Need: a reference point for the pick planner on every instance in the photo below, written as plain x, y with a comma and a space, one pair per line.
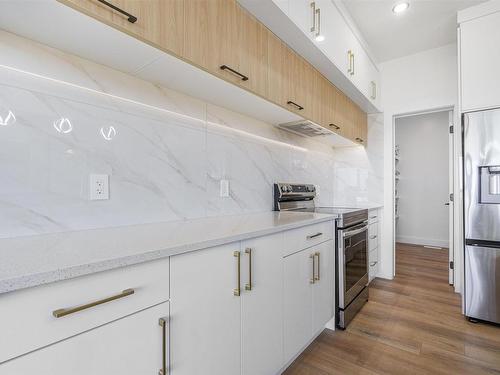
352, 66
164, 368
374, 90
249, 285
318, 12
317, 278
350, 61
313, 279
310, 237
313, 9
237, 290
59, 313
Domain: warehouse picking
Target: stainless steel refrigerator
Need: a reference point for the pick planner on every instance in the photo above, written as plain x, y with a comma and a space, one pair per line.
481, 143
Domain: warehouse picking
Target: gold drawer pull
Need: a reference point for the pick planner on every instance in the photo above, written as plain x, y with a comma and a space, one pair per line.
314, 235
164, 368
313, 279
317, 278
249, 285
237, 290
59, 313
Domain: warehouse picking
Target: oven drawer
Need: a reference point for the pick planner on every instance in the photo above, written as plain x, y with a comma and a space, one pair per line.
304, 237
29, 315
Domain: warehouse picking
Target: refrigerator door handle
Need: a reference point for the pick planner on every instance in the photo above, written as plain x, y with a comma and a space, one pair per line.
482, 243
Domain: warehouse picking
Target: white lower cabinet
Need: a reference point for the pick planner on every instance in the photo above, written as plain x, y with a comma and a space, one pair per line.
323, 290
216, 329
205, 315
308, 295
262, 306
131, 345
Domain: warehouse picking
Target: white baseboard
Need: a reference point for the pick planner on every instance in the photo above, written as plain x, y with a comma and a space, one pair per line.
422, 241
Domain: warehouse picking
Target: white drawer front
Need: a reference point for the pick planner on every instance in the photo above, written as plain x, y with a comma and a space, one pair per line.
372, 236
302, 238
373, 256
373, 216
372, 264
27, 315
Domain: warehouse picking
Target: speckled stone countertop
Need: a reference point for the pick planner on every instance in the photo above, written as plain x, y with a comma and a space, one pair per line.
35, 260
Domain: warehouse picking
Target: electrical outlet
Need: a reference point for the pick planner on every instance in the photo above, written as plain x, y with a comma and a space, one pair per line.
99, 187
224, 188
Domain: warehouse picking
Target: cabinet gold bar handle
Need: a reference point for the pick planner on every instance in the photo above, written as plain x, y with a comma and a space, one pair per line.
59, 313
310, 237
350, 61
353, 63
313, 9
317, 278
249, 285
313, 279
164, 367
237, 290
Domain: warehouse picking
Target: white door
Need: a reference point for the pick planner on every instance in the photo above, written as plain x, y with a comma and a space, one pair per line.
322, 289
298, 278
302, 13
479, 62
129, 346
205, 332
262, 305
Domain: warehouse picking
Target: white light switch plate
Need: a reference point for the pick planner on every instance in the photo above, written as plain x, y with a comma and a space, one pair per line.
99, 187
224, 188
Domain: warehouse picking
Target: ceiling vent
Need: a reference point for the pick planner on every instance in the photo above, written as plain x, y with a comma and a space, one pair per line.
305, 128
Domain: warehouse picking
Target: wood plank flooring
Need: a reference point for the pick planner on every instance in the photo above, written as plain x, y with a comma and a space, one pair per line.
411, 325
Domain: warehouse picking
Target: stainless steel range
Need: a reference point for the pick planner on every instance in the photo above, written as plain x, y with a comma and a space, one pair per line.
351, 259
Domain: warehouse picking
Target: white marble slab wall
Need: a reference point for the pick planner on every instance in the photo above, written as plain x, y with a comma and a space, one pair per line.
165, 155
359, 170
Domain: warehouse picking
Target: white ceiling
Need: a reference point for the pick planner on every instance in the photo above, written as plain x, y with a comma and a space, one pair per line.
426, 24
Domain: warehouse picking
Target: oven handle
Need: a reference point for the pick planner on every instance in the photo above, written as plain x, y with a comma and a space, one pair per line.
354, 232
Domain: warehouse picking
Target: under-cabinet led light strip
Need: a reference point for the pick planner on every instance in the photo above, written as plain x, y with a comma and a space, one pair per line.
237, 131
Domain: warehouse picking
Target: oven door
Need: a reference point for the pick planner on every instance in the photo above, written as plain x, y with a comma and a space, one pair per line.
353, 263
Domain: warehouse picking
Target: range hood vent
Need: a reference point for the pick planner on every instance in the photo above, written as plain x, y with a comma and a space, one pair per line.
304, 128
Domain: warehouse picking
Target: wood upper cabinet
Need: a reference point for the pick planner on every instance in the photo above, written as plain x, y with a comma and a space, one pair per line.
227, 41
160, 23
361, 126
224, 39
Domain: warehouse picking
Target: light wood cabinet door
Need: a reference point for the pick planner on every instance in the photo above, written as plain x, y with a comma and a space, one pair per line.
160, 23
262, 305
344, 115
323, 289
227, 41
298, 275
128, 346
276, 73
361, 126
205, 335
298, 84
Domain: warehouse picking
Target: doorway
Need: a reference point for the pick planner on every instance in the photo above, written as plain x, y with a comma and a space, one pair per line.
423, 183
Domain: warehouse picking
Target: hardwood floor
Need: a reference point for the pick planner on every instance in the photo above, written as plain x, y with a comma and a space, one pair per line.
411, 325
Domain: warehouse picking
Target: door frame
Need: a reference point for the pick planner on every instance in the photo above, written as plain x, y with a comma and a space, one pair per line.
452, 218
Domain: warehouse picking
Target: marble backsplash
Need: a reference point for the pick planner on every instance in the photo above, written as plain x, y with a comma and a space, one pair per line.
165, 152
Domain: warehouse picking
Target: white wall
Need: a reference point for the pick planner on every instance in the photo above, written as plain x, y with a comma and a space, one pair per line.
416, 83
423, 183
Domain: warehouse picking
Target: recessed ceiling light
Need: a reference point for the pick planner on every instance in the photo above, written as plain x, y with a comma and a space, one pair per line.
400, 7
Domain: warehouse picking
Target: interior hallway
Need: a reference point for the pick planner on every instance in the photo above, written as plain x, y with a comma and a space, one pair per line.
411, 325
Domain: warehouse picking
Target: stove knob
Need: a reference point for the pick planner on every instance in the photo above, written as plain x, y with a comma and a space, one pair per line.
283, 188
289, 188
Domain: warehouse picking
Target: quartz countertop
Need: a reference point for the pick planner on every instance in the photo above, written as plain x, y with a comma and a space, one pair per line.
35, 260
